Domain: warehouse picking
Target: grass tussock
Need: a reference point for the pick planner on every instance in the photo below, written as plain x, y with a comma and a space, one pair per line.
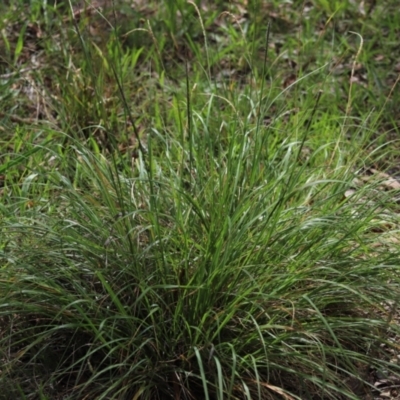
189, 232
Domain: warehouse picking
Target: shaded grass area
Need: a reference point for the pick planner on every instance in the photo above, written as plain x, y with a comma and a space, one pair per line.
185, 205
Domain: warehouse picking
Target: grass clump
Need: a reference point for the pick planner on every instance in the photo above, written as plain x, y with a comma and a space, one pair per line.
235, 254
